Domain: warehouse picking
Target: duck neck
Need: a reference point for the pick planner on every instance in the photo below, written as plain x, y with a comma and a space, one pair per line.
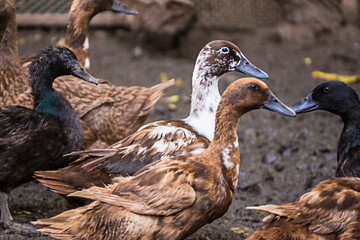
351, 114
205, 99
48, 101
225, 145
9, 59
77, 35
350, 136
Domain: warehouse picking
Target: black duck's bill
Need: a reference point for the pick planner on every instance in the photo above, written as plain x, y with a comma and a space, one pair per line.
81, 73
250, 69
120, 7
306, 105
274, 104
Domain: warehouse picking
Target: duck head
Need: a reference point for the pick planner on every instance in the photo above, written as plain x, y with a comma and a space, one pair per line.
333, 96
215, 59
248, 94
223, 56
94, 7
55, 61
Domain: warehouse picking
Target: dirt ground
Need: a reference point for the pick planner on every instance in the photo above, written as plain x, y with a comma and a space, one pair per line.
281, 157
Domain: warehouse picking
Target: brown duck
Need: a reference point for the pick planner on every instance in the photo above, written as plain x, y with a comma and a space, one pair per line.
329, 211
108, 113
77, 34
172, 198
161, 139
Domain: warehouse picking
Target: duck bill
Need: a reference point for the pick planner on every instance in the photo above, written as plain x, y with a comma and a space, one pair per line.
306, 105
81, 73
250, 69
274, 104
120, 7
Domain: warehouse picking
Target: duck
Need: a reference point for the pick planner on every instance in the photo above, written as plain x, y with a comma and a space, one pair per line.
159, 139
174, 197
107, 112
340, 99
77, 34
36, 139
331, 210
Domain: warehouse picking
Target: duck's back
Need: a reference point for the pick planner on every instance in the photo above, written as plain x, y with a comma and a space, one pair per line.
29, 141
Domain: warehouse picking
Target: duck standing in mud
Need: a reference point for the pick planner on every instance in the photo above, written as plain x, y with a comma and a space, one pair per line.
160, 139
173, 197
37, 139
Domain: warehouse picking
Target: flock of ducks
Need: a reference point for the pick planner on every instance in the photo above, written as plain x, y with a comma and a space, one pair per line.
166, 179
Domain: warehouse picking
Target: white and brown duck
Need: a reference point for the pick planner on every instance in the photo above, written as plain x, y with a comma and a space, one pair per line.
107, 113
174, 197
160, 139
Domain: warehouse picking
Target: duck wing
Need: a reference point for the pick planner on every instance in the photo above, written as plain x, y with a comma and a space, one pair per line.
97, 167
29, 141
150, 143
159, 191
329, 208
112, 112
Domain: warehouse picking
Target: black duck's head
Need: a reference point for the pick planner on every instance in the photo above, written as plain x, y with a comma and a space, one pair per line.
221, 56
333, 96
53, 62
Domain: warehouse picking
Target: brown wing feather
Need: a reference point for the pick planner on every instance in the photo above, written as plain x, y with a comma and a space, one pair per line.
150, 143
173, 192
112, 112
330, 208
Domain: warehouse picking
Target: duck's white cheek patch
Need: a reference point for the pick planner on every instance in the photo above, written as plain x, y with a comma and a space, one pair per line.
226, 158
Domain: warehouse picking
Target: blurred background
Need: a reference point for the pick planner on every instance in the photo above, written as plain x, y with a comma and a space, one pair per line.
289, 39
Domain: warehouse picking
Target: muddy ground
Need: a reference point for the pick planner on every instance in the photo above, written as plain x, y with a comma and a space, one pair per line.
281, 157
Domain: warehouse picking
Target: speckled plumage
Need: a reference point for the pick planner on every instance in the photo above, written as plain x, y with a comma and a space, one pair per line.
160, 139
37, 139
108, 113
172, 198
330, 211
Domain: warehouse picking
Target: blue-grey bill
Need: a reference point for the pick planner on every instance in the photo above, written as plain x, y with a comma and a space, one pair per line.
274, 104
120, 7
81, 73
250, 69
306, 105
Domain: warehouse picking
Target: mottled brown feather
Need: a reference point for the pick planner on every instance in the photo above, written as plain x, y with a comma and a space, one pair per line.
92, 167
325, 212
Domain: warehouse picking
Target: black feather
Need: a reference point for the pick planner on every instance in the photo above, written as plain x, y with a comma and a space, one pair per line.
37, 139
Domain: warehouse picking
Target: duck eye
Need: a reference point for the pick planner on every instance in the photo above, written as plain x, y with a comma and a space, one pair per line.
254, 87
326, 90
225, 50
